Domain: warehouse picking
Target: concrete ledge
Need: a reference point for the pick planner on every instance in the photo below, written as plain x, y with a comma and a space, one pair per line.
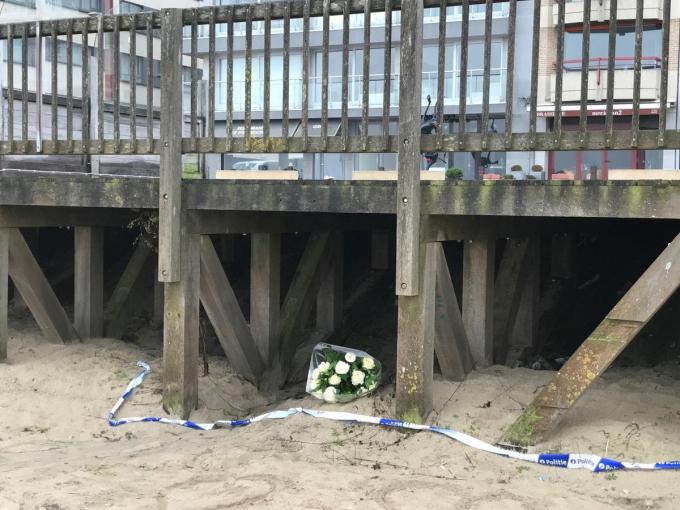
251, 175
391, 175
644, 175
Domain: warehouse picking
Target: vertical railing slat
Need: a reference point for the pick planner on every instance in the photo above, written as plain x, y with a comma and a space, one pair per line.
663, 93
464, 38
510, 72
637, 72
194, 80
10, 86
286, 73
69, 85
24, 89
611, 67
559, 73
305, 74
249, 73
39, 30
324, 72
132, 61
344, 120
230, 79
54, 101
486, 83
116, 84
534, 72
441, 72
585, 71
100, 84
149, 82
85, 88
366, 54
387, 84
211, 78
267, 73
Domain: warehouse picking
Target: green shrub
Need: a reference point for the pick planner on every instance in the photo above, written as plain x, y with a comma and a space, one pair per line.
516, 168
537, 168
454, 173
508, 177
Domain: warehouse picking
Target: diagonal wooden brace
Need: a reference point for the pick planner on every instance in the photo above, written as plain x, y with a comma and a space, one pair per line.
600, 349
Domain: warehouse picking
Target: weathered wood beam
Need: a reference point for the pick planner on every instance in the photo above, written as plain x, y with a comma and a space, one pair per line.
509, 284
408, 179
180, 332
29, 216
415, 343
329, 298
224, 312
451, 344
114, 318
4, 291
88, 306
635, 309
300, 298
478, 292
170, 187
265, 295
525, 331
36, 291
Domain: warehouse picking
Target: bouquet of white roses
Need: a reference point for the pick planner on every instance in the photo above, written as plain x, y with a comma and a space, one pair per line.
340, 374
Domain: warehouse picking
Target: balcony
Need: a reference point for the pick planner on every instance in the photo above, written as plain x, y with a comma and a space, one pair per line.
597, 80
600, 10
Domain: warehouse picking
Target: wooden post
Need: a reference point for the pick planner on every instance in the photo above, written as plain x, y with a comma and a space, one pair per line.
170, 206
478, 291
408, 184
525, 330
180, 332
380, 252
415, 347
451, 342
35, 290
88, 307
265, 294
329, 300
4, 301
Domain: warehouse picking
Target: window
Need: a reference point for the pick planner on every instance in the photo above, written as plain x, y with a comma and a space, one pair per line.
625, 46
25, 3
125, 69
17, 47
79, 5
62, 53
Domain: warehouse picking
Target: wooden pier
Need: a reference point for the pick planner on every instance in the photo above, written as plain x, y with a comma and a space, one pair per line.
422, 214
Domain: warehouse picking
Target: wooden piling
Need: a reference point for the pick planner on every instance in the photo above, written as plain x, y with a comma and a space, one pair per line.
88, 307
329, 299
415, 347
478, 292
180, 332
4, 295
265, 294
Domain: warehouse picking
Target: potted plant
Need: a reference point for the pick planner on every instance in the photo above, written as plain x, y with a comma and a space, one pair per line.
454, 174
516, 172
508, 177
537, 171
530, 177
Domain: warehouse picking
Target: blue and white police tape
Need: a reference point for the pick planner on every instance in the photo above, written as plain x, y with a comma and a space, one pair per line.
590, 462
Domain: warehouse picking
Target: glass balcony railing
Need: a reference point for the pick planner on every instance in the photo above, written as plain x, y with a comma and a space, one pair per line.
475, 84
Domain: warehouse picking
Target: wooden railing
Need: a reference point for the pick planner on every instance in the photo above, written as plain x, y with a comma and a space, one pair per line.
99, 130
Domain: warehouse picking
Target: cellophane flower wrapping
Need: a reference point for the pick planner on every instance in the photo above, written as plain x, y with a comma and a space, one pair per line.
341, 374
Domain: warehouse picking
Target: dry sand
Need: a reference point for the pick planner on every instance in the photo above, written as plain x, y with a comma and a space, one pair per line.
57, 451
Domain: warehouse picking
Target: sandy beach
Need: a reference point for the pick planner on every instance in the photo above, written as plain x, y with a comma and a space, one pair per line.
57, 451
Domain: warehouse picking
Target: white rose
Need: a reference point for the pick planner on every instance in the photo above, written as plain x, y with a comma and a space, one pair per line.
358, 377
329, 394
341, 368
334, 380
315, 373
368, 363
324, 366
350, 357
